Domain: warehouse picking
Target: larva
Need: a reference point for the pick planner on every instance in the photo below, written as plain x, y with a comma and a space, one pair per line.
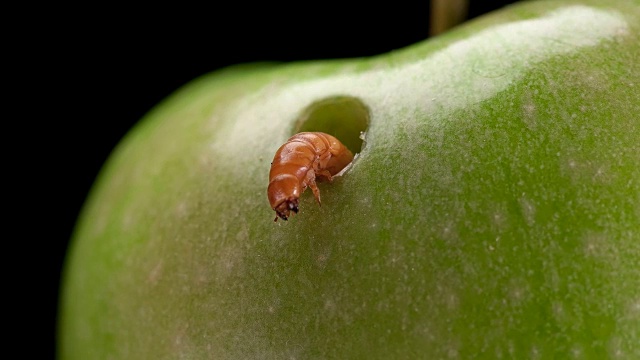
305, 157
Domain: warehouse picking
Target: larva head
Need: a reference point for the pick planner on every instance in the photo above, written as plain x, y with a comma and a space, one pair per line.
283, 210
284, 192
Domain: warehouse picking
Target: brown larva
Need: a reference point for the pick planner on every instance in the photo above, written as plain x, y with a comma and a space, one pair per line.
296, 165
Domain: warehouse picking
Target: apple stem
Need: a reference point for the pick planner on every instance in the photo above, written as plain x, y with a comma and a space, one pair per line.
446, 14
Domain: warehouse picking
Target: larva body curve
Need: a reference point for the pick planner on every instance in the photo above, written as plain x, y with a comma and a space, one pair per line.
297, 164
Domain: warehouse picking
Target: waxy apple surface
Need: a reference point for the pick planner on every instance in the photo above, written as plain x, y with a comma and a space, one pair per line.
493, 211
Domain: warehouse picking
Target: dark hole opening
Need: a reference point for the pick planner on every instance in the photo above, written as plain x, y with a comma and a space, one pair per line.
344, 117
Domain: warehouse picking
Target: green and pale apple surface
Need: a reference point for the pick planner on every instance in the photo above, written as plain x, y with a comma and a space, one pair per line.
493, 211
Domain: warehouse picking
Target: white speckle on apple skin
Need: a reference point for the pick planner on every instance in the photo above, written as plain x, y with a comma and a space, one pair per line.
558, 311
576, 351
528, 210
615, 349
634, 309
181, 209
156, 273
535, 353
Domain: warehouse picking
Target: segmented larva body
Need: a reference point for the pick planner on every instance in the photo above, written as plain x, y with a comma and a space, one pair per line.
305, 157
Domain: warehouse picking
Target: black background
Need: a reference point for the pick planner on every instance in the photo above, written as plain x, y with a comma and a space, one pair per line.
100, 71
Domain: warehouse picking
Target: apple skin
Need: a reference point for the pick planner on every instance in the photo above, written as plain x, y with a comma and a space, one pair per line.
494, 210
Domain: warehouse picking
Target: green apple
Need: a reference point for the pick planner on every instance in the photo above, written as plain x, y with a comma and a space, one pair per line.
493, 210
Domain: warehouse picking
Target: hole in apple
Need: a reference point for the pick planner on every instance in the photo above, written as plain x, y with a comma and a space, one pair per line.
344, 117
